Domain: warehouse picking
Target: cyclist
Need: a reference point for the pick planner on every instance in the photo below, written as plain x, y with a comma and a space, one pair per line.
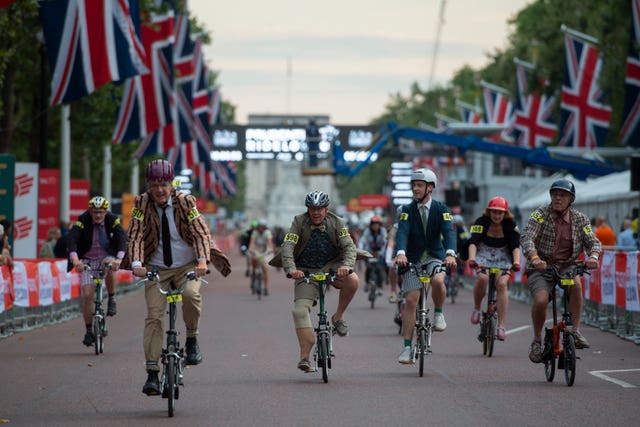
425, 235
260, 247
373, 240
556, 234
495, 241
168, 233
97, 238
317, 240
245, 237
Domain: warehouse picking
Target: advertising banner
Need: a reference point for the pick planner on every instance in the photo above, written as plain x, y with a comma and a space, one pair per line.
48, 203
633, 304
607, 276
7, 177
25, 230
78, 198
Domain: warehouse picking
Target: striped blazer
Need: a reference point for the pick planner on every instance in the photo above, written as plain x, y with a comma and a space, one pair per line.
144, 230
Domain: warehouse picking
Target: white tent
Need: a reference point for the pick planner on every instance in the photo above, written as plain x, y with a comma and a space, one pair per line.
609, 195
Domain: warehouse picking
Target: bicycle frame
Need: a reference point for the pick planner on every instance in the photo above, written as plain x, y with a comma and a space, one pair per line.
99, 324
559, 340
324, 331
489, 322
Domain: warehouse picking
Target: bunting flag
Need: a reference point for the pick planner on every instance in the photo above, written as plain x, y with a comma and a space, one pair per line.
532, 124
585, 117
184, 63
215, 116
226, 174
469, 113
90, 43
200, 101
497, 108
630, 131
148, 100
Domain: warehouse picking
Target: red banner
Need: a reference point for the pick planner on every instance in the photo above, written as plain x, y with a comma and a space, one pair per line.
374, 200
48, 203
78, 198
621, 279
595, 286
6, 288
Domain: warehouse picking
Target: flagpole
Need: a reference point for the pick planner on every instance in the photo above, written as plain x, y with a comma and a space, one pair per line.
494, 87
578, 34
65, 162
106, 173
525, 64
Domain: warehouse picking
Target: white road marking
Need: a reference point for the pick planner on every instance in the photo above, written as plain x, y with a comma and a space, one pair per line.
602, 376
522, 328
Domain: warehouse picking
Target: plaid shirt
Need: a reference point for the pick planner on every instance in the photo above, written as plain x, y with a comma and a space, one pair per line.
539, 235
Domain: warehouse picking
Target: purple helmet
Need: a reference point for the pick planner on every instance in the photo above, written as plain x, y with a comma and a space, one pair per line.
160, 170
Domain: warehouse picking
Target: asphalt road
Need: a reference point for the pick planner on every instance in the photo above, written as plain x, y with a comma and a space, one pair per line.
249, 376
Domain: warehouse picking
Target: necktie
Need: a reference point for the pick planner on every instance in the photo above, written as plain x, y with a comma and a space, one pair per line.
423, 208
102, 237
166, 238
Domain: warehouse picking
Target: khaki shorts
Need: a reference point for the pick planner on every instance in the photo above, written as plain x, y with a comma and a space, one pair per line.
541, 281
310, 290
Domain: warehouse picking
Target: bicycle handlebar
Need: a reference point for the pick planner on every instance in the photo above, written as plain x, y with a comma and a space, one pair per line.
153, 276
486, 269
421, 269
578, 269
331, 274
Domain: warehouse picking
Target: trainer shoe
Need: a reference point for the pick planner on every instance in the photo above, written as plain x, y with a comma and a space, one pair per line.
340, 326
265, 292
439, 323
501, 334
152, 385
406, 358
112, 309
475, 317
194, 356
535, 352
393, 298
304, 365
88, 339
581, 341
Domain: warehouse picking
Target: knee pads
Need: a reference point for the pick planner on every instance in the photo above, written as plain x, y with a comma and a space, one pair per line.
301, 310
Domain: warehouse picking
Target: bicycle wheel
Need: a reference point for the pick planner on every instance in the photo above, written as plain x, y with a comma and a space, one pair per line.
97, 335
453, 290
372, 294
569, 354
259, 287
491, 335
171, 384
482, 336
421, 344
323, 356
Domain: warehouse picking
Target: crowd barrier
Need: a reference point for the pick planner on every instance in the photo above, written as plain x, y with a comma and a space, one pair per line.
41, 291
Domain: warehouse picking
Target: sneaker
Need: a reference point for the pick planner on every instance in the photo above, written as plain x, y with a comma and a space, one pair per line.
88, 339
406, 358
304, 365
340, 326
152, 385
475, 317
439, 323
581, 341
112, 309
393, 298
265, 292
194, 356
535, 352
501, 334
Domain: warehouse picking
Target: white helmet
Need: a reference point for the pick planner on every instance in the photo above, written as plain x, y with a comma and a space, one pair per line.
425, 175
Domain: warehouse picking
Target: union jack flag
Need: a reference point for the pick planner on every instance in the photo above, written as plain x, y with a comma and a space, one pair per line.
188, 155
148, 100
497, 108
532, 124
215, 116
630, 131
469, 113
201, 107
90, 43
584, 120
184, 77
226, 174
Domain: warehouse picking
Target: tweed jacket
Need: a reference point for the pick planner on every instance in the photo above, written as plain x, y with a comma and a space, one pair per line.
440, 235
299, 234
539, 236
144, 230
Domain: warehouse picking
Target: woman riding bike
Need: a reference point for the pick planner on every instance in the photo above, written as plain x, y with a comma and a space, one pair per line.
495, 241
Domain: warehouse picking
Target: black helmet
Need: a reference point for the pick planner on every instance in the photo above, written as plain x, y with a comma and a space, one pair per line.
565, 185
316, 199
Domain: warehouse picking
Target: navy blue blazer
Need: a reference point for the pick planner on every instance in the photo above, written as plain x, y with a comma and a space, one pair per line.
440, 235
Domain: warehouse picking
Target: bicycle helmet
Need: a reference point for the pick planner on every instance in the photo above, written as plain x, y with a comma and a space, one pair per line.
98, 202
498, 204
316, 199
262, 223
426, 175
564, 185
160, 170
375, 220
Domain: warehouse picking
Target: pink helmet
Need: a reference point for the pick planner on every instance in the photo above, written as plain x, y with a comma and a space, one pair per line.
498, 204
160, 170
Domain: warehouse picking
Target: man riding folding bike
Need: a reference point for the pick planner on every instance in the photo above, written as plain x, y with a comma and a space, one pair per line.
260, 249
97, 238
374, 240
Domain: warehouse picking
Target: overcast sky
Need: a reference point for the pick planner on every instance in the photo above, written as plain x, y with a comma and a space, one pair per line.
346, 57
